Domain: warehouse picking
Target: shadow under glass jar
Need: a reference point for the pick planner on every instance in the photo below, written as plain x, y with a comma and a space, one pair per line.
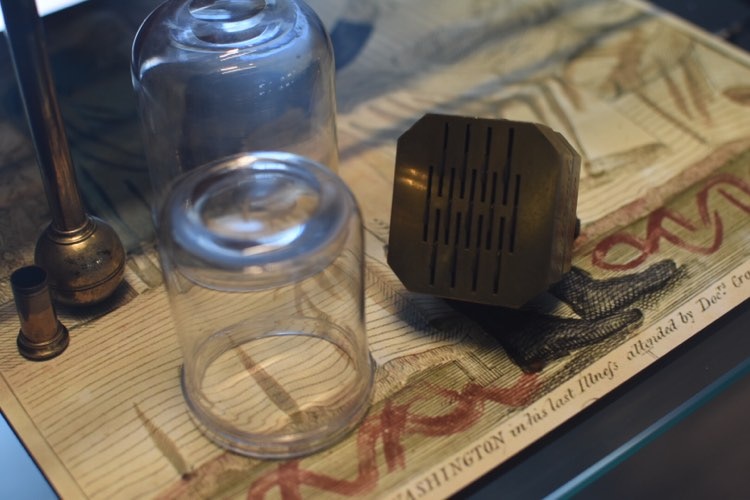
263, 261
219, 77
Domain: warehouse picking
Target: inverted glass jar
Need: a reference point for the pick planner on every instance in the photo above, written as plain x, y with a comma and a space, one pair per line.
263, 260
218, 77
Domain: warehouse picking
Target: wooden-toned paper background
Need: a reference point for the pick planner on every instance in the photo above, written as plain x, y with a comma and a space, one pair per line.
658, 112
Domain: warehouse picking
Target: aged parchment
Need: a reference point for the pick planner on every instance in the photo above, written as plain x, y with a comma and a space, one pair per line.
659, 113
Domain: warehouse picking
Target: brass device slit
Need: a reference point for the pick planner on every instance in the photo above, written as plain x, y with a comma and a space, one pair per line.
507, 168
493, 190
447, 232
501, 234
490, 223
454, 263
514, 217
480, 223
449, 208
473, 185
465, 166
456, 236
486, 165
442, 161
428, 199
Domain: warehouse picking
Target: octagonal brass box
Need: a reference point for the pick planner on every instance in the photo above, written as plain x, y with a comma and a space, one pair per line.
483, 210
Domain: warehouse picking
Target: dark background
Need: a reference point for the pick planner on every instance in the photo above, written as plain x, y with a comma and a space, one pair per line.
729, 19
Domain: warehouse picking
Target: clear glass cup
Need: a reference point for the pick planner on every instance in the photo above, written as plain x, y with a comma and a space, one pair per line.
263, 260
220, 77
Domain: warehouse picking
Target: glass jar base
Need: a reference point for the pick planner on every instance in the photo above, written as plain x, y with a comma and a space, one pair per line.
282, 395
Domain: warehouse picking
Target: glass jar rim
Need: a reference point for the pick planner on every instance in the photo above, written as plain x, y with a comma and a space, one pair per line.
240, 253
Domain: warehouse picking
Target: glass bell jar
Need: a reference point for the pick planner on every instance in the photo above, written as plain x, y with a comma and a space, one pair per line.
220, 77
263, 261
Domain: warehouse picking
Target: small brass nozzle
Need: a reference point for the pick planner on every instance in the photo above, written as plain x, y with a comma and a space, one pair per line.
42, 336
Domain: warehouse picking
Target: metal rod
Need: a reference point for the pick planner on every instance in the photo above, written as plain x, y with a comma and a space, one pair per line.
29, 54
82, 255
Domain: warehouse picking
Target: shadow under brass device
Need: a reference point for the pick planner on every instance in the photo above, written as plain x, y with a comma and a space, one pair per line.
483, 210
82, 255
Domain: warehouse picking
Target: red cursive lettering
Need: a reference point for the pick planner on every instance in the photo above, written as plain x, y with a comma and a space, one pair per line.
656, 230
391, 425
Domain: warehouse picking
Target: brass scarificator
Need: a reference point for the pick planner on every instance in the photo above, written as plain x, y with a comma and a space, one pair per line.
83, 255
483, 210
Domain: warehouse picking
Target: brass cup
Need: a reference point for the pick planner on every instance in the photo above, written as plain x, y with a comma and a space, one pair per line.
41, 336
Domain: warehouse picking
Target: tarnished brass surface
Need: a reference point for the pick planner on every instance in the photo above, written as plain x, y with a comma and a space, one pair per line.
88, 263
83, 256
483, 210
41, 336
